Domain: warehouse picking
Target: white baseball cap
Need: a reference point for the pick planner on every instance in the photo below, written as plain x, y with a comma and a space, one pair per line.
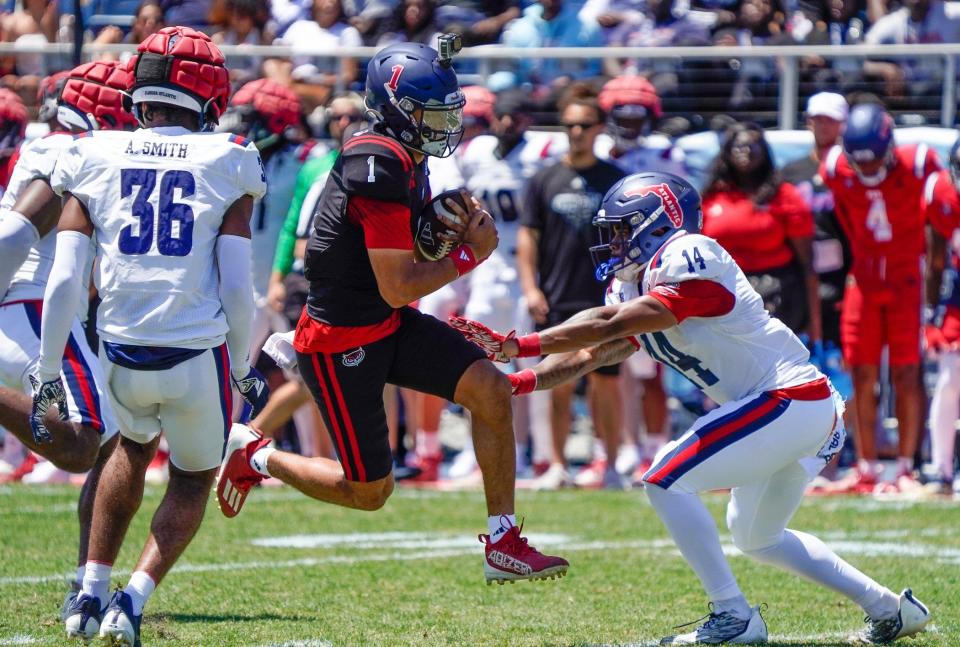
828, 104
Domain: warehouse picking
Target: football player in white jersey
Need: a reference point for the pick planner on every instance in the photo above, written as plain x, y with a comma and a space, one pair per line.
170, 206
90, 97
689, 305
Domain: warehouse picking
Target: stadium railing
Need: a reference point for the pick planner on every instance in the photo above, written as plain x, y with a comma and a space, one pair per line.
774, 72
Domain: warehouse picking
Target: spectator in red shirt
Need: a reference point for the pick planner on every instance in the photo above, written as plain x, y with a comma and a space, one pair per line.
766, 226
878, 189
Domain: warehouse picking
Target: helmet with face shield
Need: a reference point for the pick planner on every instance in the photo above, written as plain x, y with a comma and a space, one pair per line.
637, 216
416, 97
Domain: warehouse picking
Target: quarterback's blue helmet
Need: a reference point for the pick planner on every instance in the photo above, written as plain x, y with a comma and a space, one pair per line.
869, 137
417, 98
638, 214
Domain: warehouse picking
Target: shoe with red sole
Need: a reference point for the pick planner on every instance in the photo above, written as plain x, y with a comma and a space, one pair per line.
235, 476
591, 476
512, 559
25, 467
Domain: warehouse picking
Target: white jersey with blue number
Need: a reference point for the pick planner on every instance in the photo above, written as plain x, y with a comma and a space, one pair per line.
499, 182
730, 356
157, 198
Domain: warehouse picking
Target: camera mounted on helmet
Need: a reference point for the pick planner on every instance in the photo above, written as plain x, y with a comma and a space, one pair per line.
637, 217
416, 98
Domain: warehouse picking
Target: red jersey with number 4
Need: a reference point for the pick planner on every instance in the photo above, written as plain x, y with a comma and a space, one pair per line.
884, 223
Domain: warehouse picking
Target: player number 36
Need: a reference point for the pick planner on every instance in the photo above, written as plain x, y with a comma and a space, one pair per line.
174, 220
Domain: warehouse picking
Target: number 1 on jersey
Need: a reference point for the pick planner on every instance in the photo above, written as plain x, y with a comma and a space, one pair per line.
370, 175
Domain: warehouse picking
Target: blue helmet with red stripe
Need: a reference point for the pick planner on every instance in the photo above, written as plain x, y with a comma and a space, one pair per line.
417, 98
638, 214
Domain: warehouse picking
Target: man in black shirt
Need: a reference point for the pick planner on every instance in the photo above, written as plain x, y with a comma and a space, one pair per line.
357, 332
556, 271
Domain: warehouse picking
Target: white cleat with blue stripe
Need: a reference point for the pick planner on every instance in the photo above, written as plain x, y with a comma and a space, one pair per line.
724, 629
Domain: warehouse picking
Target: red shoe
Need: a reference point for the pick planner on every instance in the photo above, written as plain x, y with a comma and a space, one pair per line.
25, 467
591, 476
512, 558
857, 481
235, 476
429, 466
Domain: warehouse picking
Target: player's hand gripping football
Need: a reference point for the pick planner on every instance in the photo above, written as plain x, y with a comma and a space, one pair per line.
45, 395
253, 388
479, 232
488, 340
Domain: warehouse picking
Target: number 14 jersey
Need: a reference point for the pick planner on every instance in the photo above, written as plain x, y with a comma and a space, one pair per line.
728, 356
157, 198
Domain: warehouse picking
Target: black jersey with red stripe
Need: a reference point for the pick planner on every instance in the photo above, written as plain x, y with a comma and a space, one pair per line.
343, 287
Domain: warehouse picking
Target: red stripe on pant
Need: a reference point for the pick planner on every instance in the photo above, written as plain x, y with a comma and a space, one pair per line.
351, 433
86, 390
341, 448
712, 437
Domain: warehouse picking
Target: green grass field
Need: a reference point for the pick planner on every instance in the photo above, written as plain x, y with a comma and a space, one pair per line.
292, 571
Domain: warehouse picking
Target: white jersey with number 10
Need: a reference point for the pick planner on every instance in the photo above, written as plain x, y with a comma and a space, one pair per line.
157, 198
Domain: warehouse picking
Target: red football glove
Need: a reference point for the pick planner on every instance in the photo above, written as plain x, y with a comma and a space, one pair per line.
934, 339
490, 341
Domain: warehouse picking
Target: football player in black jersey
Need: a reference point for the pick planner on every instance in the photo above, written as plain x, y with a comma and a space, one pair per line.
357, 332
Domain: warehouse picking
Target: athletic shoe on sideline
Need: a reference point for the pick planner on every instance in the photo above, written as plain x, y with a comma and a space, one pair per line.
25, 467
120, 628
911, 618
724, 628
82, 618
856, 481
512, 559
464, 464
591, 476
158, 471
554, 478
429, 466
67, 601
45, 472
235, 476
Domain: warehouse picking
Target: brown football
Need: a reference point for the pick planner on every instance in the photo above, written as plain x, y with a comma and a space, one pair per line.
433, 221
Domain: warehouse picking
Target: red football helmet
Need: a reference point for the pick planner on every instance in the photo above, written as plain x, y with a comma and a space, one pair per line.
278, 106
629, 90
479, 103
13, 122
181, 66
93, 97
48, 93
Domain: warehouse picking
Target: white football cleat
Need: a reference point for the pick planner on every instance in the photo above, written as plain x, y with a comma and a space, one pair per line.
724, 629
911, 618
82, 617
120, 627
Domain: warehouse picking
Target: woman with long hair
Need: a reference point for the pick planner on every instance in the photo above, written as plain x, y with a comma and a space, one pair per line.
765, 225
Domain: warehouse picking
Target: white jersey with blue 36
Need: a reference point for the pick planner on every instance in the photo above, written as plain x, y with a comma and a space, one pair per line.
157, 198
740, 351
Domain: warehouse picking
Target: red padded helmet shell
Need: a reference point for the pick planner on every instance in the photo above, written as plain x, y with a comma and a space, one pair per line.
629, 90
479, 102
183, 60
99, 89
278, 104
13, 109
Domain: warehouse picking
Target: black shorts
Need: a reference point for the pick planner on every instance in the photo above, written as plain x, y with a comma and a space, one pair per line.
557, 317
424, 354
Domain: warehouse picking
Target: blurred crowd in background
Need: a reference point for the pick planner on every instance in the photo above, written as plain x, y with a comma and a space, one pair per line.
544, 139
